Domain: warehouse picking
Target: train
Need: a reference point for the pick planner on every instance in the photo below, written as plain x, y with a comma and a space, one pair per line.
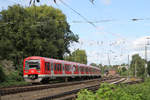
42, 69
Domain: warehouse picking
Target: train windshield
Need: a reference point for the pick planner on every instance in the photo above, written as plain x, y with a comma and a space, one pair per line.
32, 64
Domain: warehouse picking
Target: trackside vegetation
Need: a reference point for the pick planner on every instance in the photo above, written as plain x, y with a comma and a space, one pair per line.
118, 92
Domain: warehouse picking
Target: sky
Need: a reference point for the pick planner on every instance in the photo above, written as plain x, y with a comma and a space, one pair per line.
114, 36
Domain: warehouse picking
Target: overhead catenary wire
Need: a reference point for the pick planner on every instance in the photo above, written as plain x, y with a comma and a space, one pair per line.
78, 13
91, 23
114, 34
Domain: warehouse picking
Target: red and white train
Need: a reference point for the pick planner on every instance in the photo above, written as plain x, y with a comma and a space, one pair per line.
41, 69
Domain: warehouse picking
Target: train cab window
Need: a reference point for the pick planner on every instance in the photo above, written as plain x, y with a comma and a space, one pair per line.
33, 64
51, 66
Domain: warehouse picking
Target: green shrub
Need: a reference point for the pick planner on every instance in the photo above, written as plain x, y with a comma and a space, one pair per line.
14, 76
105, 92
118, 92
85, 95
2, 75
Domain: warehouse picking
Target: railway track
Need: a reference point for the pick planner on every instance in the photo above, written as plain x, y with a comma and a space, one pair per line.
14, 90
51, 91
65, 91
71, 95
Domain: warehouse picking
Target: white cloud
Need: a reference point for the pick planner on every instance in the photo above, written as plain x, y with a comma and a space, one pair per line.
138, 47
97, 51
141, 42
106, 2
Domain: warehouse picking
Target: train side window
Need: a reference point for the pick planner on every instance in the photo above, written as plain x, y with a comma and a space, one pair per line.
51, 66
77, 69
80, 69
67, 67
63, 67
74, 68
47, 66
60, 67
87, 69
70, 68
55, 67
84, 69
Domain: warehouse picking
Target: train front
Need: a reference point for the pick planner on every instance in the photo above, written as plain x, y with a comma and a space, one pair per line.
32, 69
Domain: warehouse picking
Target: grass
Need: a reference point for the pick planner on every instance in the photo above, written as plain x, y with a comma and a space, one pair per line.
13, 83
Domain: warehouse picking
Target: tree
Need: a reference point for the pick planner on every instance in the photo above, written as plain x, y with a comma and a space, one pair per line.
25, 32
2, 74
124, 69
137, 66
148, 67
77, 56
93, 64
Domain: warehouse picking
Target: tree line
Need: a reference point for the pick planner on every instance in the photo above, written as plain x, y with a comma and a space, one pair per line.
33, 31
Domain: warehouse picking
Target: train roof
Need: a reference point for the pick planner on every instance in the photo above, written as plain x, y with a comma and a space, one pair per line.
56, 60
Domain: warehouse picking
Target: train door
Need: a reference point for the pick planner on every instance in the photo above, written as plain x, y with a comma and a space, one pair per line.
87, 70
55, 68
52, 68
82, 70
47, 67
63, 68
75, 68
68, 69
59, 67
